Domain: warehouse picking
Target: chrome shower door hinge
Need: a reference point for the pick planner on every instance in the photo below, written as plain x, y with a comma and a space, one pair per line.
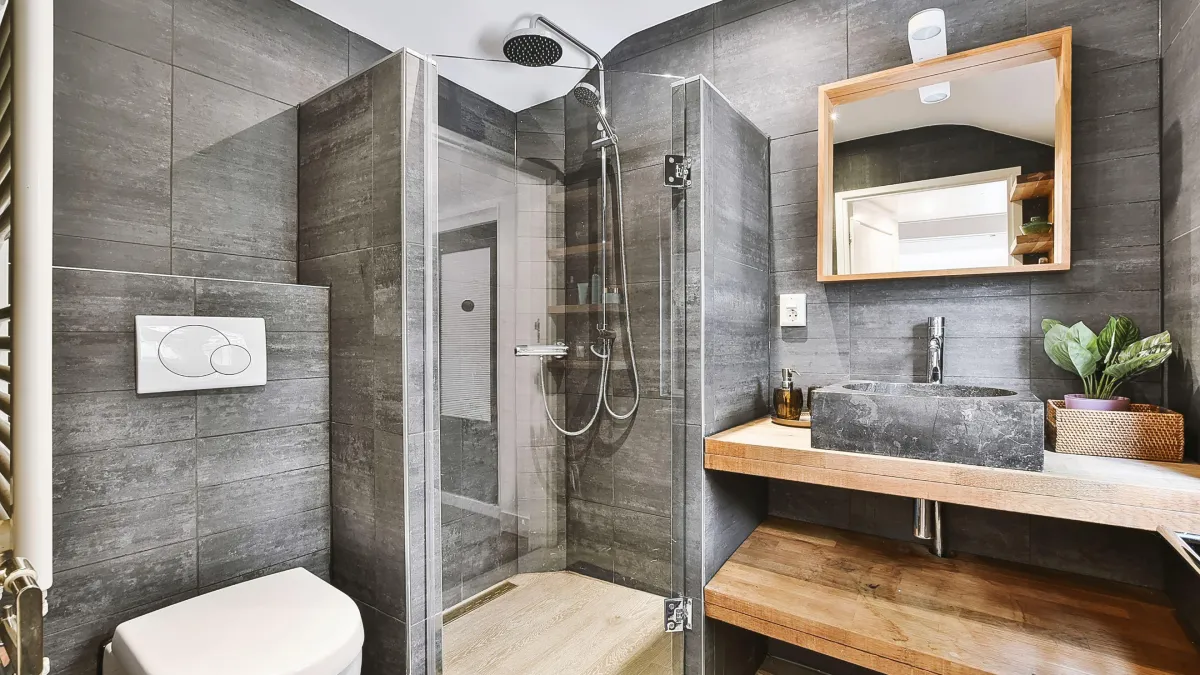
678, 171
677, 614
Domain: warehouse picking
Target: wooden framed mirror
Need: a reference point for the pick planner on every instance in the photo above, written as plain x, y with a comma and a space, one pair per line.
955, 166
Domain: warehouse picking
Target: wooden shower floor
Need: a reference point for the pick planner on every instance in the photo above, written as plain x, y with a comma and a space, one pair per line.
560, 623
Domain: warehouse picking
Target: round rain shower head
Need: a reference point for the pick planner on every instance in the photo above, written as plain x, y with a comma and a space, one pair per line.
529, 47
587, 95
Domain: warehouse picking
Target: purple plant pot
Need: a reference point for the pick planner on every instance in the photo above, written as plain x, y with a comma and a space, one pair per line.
1081, 402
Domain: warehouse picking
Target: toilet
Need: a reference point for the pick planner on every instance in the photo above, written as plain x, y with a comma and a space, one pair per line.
289, 623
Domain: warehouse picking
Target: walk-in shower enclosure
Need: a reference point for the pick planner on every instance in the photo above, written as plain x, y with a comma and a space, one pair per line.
451, 230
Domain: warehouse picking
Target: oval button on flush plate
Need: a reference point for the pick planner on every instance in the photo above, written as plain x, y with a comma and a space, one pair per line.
187, 351
230, 359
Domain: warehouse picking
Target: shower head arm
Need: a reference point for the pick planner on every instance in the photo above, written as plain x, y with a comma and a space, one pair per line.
586, 49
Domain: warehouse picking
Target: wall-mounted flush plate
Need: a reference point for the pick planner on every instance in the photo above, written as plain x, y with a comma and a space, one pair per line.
793, 310
187, 353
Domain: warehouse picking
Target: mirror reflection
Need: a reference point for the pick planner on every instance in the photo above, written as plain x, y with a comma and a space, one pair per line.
949, 176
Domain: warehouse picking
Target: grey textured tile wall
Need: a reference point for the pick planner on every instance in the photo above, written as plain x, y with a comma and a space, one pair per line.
175, 134
112, 143
135, 490
1175, 15
234, 457
233, 171
357, 154
225, 266
242, 551
111, 255
142, 26
231, 41
775, 85
85, 480
364, 53
1181, 207
139, 83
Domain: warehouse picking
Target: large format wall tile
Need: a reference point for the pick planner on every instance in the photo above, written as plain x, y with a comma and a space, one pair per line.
113, 586
104, 477
284, 308
91, 361
364, 53
1175, 15
336, 173
224, 266
1106, 34
228, 506
86, 300
142, 26
233, 171
112, 143
253, 454
280, 403
1181, 205
97, 421
236, 42
105, 532
770, 64
111, 255
242, 551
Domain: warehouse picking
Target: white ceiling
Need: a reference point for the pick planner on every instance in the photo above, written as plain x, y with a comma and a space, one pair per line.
1017, 102
475, 29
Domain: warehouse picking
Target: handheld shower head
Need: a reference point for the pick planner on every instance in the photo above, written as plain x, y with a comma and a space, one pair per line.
587, 95
532, 48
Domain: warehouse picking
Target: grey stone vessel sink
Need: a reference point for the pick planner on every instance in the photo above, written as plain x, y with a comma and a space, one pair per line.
962, 424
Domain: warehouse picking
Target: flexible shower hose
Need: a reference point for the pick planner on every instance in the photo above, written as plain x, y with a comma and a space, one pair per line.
602, 394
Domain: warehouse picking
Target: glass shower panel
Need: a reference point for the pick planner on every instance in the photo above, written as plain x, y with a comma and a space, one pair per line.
558, 476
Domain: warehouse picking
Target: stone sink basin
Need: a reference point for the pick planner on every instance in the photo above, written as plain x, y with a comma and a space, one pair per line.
962, 424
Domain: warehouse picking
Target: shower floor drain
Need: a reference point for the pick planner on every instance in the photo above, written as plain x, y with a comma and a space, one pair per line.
464, 608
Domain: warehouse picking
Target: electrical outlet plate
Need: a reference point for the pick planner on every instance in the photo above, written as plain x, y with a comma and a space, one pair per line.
793, 310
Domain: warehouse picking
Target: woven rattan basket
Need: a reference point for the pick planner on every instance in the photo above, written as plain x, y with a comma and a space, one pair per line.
1145, 432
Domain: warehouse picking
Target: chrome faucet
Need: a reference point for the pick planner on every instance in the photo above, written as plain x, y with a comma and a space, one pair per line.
937, 342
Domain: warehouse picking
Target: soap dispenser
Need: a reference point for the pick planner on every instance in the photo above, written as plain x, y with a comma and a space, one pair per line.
789, 401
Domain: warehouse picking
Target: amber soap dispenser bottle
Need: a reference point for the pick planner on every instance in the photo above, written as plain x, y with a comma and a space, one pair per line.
789, 401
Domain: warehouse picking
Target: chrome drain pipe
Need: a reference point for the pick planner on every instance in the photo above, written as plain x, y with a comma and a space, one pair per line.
927, 524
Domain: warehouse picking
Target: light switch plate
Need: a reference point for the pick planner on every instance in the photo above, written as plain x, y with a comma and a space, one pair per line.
188, 353
793, 310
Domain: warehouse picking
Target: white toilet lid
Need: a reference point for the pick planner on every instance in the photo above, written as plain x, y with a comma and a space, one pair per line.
290, 623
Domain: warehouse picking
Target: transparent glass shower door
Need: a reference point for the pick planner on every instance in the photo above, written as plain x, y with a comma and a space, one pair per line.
561, 523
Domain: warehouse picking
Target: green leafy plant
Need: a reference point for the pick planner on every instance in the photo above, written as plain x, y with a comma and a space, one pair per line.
1108, 360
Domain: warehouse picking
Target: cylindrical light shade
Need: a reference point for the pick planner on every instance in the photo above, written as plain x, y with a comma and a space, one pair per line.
935, 93
927, 35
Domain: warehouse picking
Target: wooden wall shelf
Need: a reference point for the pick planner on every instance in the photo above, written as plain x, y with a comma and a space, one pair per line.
1037, 189
1122, 492
575, 309
1032, 243
893, 607
579, 249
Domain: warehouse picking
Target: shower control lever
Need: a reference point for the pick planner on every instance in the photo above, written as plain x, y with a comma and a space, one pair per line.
557, 350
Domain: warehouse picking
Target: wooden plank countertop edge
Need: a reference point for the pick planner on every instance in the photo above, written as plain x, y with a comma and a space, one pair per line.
1124, 493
